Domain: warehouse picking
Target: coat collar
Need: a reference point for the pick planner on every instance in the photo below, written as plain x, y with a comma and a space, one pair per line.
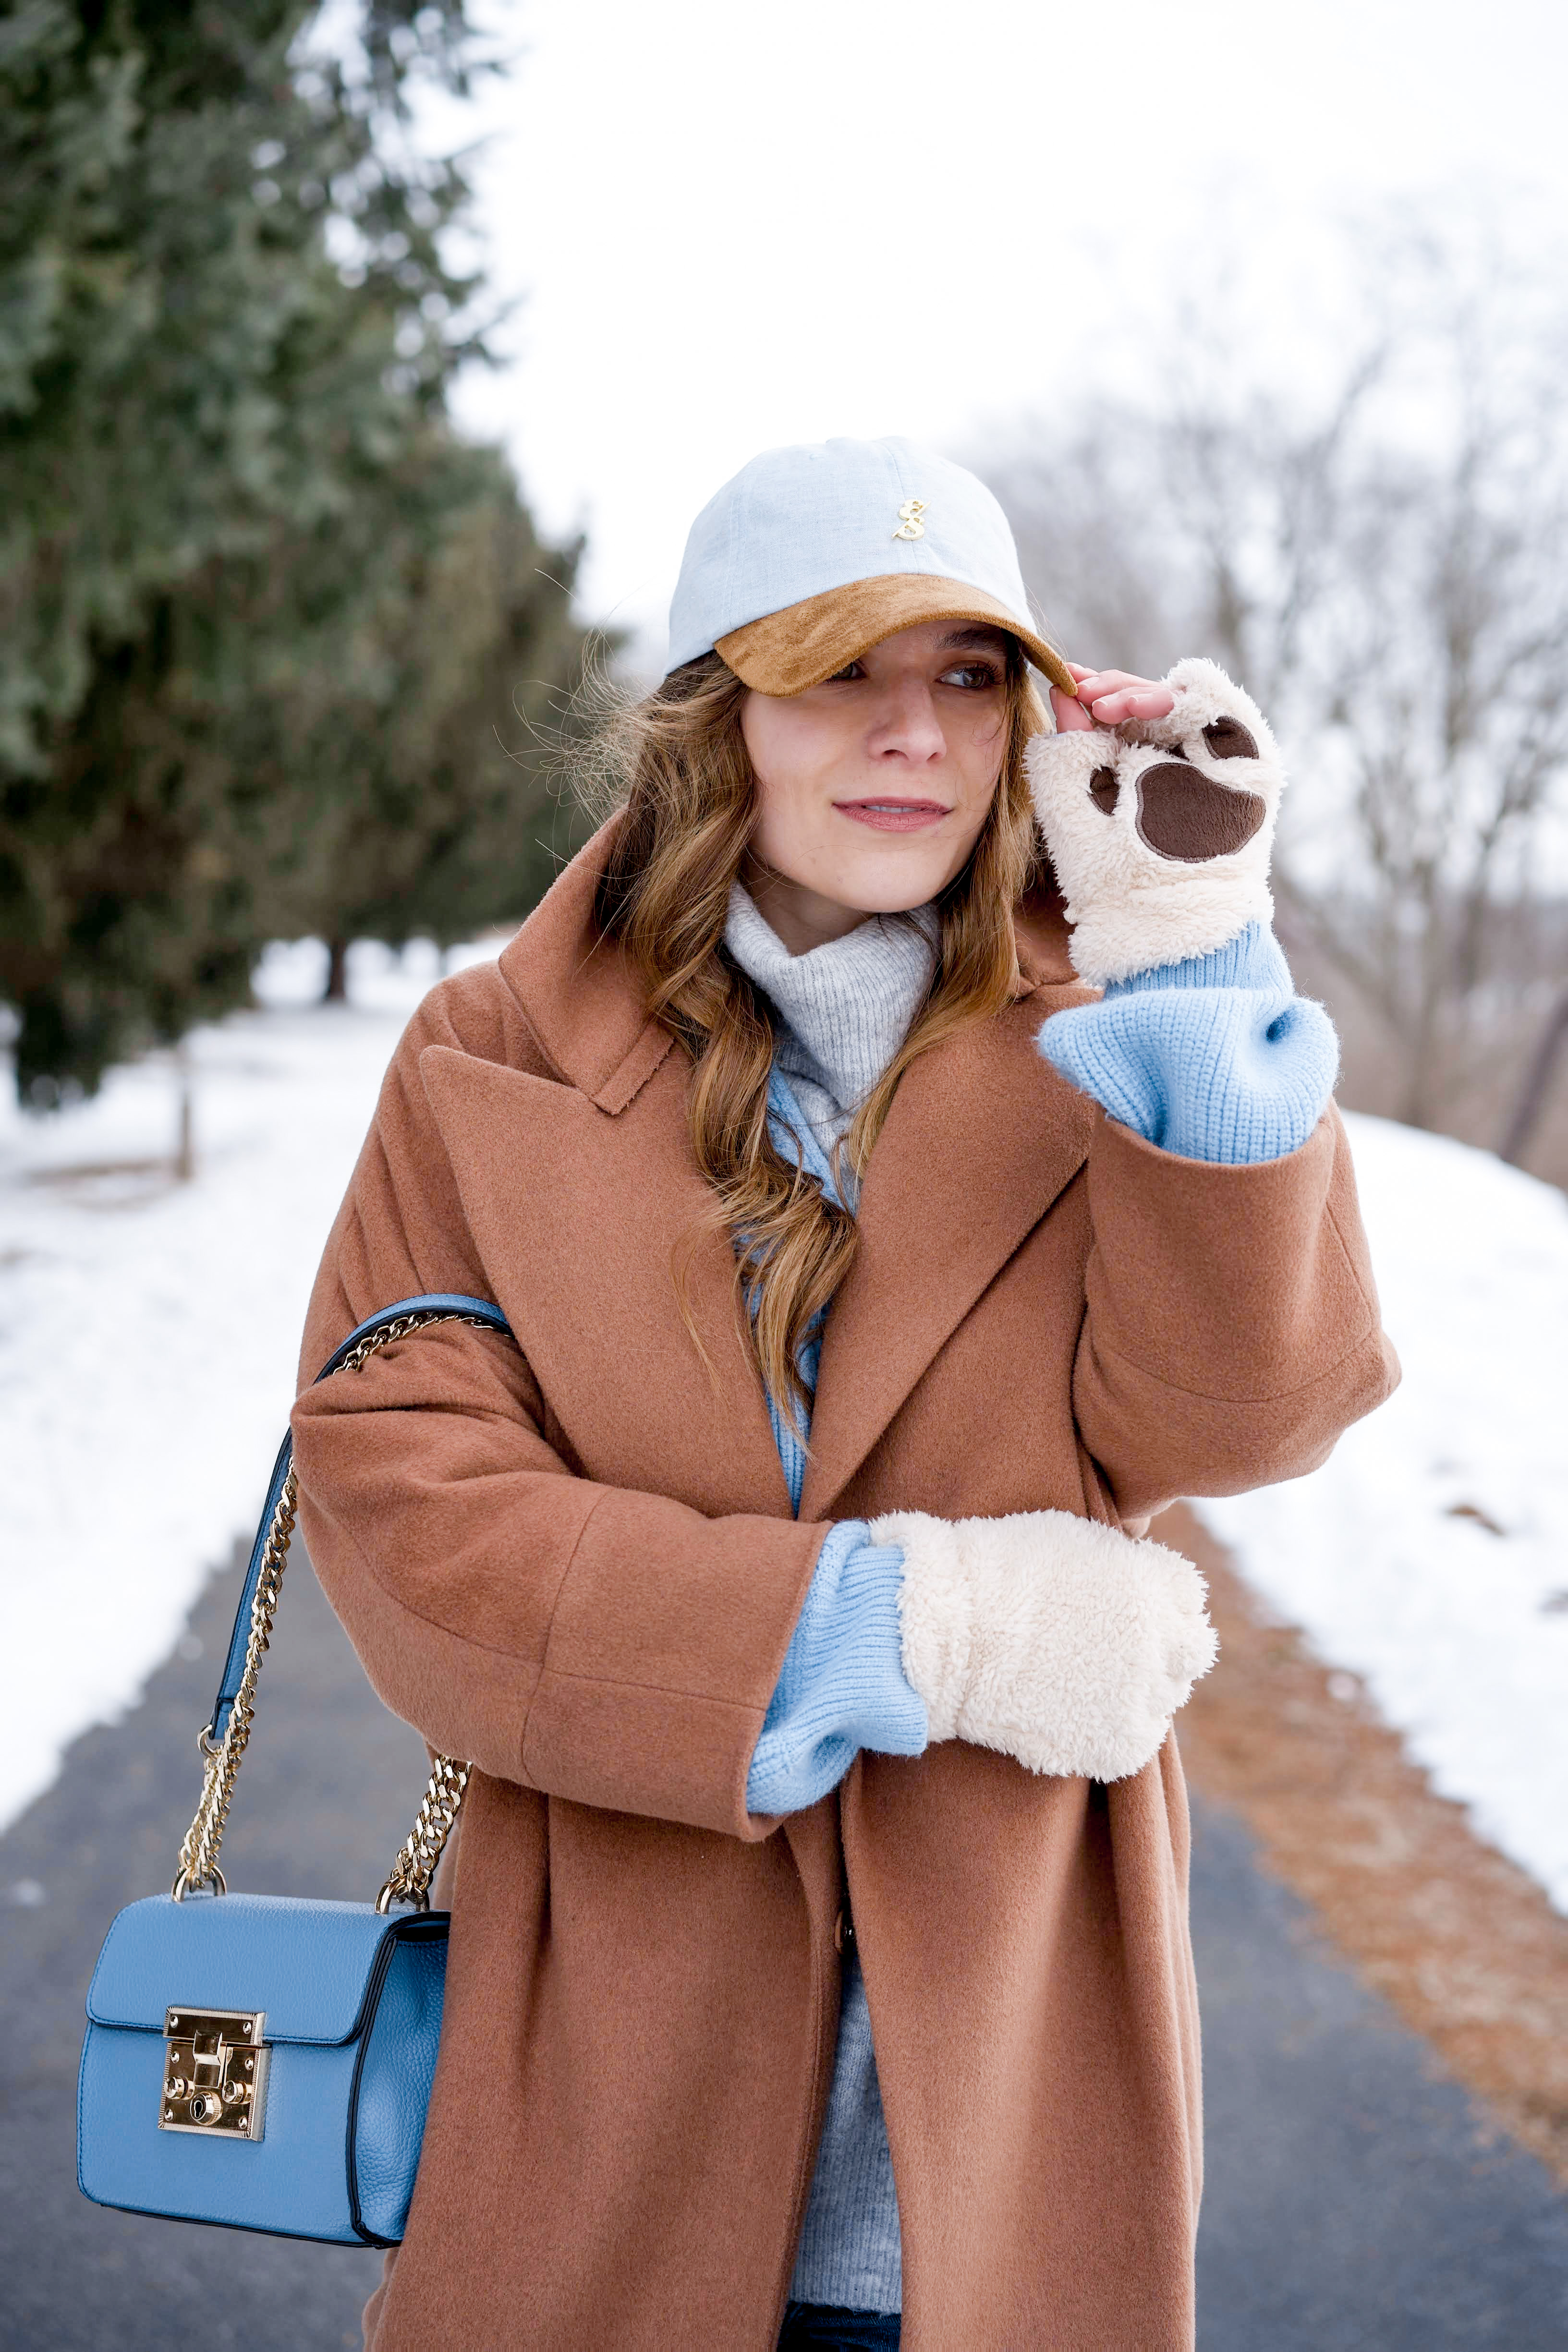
982, 1138
585, 1006
578, 992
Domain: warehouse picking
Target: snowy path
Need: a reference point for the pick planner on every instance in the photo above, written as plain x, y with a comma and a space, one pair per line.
147, 1344
1351, 2199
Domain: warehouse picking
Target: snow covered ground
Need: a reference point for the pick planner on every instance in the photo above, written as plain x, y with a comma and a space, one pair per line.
148, 1332
1429, 1554
147, 1341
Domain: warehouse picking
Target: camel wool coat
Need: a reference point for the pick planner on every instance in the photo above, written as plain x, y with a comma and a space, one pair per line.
574, 1561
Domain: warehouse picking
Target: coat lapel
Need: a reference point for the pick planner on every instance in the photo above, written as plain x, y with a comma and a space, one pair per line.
579, 1195
982, 1138
577, 1216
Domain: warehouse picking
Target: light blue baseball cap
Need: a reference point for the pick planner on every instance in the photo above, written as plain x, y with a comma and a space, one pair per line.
812, 554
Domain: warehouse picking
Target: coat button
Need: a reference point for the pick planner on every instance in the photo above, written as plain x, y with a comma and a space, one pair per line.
843, 1930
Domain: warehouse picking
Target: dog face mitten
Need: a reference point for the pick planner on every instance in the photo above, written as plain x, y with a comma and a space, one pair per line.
1160, 832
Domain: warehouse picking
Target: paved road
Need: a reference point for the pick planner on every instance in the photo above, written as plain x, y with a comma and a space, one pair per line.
1353, 2199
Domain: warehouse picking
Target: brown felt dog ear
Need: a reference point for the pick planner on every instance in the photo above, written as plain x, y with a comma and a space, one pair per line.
1227, 738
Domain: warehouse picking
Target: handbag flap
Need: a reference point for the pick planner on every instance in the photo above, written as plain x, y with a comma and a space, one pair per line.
308, 1966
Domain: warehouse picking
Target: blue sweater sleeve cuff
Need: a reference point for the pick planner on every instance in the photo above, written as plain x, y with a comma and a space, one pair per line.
1216, 1058
842, 1687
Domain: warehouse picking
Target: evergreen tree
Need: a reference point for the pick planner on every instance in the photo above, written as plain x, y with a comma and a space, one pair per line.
230, 503
439, 823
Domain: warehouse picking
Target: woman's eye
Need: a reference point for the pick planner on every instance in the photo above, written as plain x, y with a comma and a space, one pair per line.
975, 677
852, 670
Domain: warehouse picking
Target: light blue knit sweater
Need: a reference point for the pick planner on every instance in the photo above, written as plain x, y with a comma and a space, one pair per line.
1214, 1059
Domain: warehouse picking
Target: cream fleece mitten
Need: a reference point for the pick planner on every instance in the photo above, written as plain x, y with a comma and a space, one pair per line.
1160, 833
1062, 1643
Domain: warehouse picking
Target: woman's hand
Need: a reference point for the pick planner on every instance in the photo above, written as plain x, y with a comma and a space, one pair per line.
1160, 827
1108, 697
1065, 1644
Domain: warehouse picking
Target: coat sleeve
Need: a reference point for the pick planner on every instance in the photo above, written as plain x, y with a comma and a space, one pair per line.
602, 1645
1232, 1328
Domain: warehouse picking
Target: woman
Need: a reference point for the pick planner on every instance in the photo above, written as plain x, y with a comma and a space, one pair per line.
818, 1950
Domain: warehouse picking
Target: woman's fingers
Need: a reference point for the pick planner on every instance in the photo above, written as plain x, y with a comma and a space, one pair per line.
1130, 702
1115, 695
1112, 696
1067, 713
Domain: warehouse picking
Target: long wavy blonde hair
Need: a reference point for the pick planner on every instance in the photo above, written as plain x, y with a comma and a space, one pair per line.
676, 764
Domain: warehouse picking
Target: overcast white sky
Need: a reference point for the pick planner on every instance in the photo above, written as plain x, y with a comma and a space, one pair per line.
737, 226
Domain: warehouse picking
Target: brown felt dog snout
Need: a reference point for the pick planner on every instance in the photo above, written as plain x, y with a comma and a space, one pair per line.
1185, 815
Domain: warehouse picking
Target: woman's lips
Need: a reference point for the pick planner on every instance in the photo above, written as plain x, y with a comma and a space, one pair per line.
893, 815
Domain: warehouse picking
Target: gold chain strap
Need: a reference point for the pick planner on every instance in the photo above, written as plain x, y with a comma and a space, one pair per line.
415, 1867
198, 1855
421, 1849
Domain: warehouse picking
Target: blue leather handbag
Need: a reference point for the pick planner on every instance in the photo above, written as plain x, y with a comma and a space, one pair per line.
249, 2059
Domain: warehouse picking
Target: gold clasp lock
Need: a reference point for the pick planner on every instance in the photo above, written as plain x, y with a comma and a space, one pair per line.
215, 2071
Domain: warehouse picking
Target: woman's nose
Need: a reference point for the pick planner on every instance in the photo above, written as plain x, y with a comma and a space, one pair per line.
908, 726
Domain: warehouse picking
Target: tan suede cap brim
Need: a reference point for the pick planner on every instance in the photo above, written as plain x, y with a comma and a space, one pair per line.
786, 651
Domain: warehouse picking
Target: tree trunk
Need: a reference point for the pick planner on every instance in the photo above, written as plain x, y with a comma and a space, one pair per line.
1537, 1086
336, 988
186, 1134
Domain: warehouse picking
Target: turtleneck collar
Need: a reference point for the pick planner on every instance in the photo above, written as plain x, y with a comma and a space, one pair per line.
844, 1008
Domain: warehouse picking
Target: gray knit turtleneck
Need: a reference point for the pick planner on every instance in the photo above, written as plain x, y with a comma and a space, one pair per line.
843, 1009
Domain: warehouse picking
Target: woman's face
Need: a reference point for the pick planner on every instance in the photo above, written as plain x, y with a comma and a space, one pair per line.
872, 788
